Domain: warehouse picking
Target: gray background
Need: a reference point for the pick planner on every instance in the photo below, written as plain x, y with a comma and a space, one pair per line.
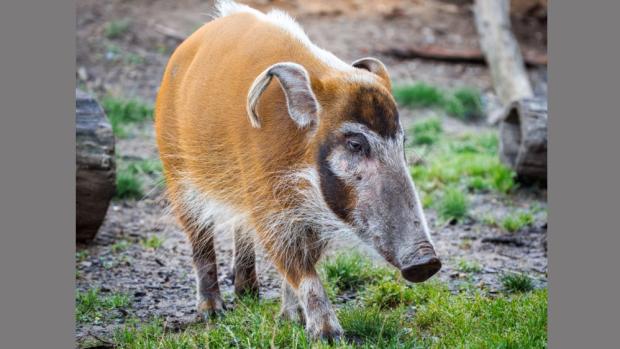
37, 173
583, 174
37, 76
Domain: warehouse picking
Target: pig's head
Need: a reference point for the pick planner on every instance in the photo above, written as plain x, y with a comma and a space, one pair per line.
354, 126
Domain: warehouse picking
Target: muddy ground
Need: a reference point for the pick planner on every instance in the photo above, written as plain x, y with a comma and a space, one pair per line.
160, 281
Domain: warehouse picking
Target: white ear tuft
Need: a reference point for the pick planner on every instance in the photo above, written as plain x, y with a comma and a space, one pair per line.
374, 66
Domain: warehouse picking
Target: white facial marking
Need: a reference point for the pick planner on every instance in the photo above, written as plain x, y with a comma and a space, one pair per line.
390, 153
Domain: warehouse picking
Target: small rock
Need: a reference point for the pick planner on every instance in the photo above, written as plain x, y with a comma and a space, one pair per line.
83, 73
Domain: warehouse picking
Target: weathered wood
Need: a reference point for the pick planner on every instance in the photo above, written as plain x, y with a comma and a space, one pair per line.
523, 128
170, 32
454, 55
95, 166
501, 50
523, 138
528, 7
518, 8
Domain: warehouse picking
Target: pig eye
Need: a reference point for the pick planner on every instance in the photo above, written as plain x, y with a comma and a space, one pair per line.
356, 143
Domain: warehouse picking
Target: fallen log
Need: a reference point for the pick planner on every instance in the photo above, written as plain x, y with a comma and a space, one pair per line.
452, 55
503, 240
523, 137
170, 32
523, 121
95, 166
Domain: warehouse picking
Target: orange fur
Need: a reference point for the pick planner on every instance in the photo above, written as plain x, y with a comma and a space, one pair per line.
202, 128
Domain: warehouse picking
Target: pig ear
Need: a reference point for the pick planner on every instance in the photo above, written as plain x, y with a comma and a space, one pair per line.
302, 105
374, 66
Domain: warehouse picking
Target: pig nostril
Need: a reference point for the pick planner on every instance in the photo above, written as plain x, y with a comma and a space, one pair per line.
422, 269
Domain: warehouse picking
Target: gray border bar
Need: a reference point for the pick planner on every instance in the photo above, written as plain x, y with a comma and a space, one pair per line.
37, 178
584, 165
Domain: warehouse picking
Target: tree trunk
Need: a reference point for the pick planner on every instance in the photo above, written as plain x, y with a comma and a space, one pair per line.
501, 51
95, 166
523, 138
523, 127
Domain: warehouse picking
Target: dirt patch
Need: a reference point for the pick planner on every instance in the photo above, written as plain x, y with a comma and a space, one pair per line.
131, 64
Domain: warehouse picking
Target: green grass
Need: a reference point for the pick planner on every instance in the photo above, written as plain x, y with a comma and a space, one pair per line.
453, 205
119, 246
431, 317
488, 219
349, 271
152, 242
93, 306
388, 314
123, 113
468, 161
463, 103
517, 282
128, 185
145, 167
419, 95
132, 175
426, 132
116, 28
81, 255
470, 103
466, 266
134, 59
388, 294
373, 326
516, 221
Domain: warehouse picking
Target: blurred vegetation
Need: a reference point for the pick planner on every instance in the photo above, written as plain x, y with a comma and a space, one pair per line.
511, 222
131, 176
453, 205
116, 28
123, 113
463, 103
466, 266
152, 242
517, 282
128, 185
426, 132
450, 168
516, 221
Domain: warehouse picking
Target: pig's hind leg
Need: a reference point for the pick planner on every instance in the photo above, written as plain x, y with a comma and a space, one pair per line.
245, 279
291, 309
205, 265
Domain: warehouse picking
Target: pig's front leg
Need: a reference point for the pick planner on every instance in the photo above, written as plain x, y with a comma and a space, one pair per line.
321, 320
291, 310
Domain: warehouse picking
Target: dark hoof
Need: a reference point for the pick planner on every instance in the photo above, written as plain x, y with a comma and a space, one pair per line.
211, 310
211, 315
332, 338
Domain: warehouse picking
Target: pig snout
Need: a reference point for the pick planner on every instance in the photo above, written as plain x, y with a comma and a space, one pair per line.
423, 264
